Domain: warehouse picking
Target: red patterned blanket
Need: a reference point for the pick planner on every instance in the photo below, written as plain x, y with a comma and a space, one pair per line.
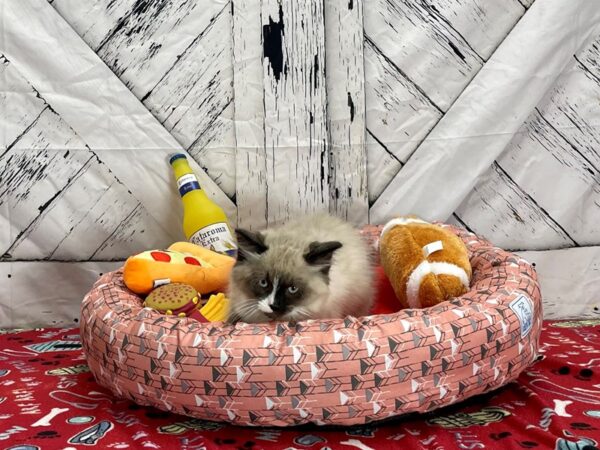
49, 400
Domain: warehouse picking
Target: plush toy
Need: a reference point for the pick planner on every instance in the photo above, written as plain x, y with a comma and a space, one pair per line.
425, 263
206, 271
182, 300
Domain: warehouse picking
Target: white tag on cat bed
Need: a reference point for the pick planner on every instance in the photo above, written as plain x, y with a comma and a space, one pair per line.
432, 248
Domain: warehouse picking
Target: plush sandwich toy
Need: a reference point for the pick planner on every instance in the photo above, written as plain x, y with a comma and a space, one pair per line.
425, 263
182, 300
183, 262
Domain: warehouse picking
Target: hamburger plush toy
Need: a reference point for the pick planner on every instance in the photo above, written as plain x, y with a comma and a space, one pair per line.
425, 263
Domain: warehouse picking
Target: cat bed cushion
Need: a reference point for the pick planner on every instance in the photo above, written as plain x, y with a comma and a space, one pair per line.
342, 372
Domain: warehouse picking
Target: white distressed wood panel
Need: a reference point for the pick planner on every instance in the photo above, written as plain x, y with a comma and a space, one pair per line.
482, 23
94, 20
37, 167
569, 110
149, 37
569, 281
95, 217
249, 113
554, 162
498, 209
24, 284
215, 151
196, 89
20, 105
175, 57
346, 110
447, 165
295, 108
398, 112
558, 178
403, 29
103, 103
382, 166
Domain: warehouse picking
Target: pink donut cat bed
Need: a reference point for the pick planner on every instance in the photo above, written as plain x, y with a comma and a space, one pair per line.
342, 372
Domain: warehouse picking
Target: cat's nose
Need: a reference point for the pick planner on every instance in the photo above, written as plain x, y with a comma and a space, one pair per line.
278, 308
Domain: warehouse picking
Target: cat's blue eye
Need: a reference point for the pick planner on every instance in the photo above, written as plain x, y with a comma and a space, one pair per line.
263, 283
292, 290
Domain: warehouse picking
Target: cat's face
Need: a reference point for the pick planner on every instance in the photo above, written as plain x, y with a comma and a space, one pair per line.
277, 282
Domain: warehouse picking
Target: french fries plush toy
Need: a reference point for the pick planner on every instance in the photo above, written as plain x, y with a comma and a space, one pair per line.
425, 263
183, 262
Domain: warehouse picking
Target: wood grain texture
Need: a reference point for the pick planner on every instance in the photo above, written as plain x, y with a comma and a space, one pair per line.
295, 108
175, 57
568, 108
214, 150
346, 110
555, 162
94, 218
402, 29
40, 164
450, 161
398, 112
500, 210
539, 161
249, 113
382, 166
569, 280
482, 23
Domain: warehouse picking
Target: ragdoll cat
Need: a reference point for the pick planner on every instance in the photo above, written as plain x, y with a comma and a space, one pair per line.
317, 267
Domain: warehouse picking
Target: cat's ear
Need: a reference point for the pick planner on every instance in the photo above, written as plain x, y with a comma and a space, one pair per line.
250, 244
320, 254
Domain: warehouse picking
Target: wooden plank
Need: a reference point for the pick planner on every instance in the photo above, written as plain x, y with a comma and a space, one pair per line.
197, 88
150, 38
104, 103
35, 170
295, 108
539, 160
19, 103
482, 23
93, 217
184, 76
382, 166
429, 184
27, 301
569, 281
399, 114
589, 57
94, 20
401, 30
346, 110
215, 151
498, 209
569, 110
249, 113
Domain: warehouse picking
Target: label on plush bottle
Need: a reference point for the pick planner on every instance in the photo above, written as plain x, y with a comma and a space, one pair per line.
187, 183
216, 237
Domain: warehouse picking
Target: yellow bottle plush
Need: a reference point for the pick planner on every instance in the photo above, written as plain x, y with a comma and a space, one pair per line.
204, 222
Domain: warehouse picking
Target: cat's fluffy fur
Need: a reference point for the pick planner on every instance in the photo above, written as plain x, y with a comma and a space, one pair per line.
322, 258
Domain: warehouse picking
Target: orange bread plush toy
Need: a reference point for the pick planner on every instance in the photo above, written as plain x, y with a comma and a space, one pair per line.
205, 270
425, 263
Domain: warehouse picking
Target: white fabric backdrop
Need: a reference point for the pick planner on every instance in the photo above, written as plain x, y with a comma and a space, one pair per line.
482, 113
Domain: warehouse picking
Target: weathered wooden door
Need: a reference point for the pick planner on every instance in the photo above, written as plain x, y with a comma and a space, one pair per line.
479, 112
